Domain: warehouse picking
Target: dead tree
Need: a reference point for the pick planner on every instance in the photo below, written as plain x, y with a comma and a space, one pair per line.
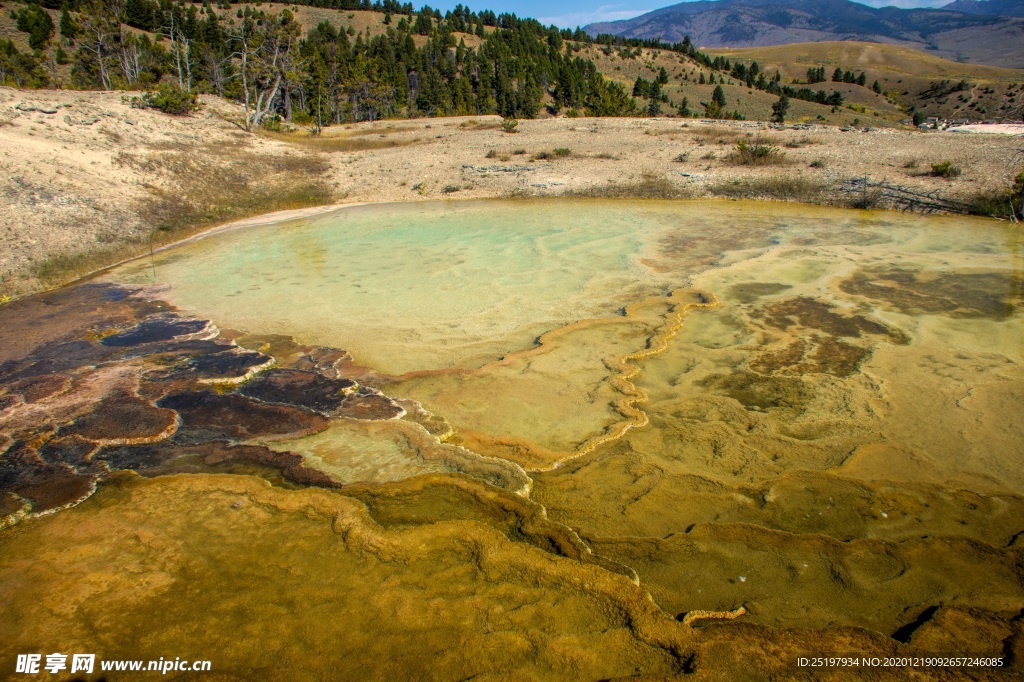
867, 194
264, 52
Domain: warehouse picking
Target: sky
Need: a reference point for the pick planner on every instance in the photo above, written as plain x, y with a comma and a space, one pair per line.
572, 13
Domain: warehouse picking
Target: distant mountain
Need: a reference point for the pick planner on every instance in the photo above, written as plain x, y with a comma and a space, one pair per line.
976, 36
1006, 8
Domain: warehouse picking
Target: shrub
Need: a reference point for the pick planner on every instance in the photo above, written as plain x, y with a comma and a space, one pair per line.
946, 170
168, 98
562, 151
756, 154
818, 163
272, 123
509, 125
682, 158
449, 189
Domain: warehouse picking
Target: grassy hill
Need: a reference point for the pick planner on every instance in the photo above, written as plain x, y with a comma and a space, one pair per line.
909, 77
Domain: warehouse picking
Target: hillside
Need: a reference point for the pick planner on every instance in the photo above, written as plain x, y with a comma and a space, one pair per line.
375, 65
1005, 8
971, 37
909, 78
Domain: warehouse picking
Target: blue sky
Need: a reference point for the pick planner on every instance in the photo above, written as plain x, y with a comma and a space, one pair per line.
572, 13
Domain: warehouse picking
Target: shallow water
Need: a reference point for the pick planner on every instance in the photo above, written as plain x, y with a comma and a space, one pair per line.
806, 412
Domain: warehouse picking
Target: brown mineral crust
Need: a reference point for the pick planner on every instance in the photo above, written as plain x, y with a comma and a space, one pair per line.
367, 403
34, 389
301, 388
157, 329
165, 458
121, 419
230, 365
47, 486
74, 451
288, 463
169, 353
67, 313
57, 357
9, 504
213, 416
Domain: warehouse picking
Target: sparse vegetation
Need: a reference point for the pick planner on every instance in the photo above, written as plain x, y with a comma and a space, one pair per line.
780, 188
946, 169
756, 153
168, 98
649, 186
509, 125
248, 184
345, 142
716, 134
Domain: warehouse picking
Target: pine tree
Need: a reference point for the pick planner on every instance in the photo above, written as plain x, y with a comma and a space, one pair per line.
68, 27
779, 109
718, 97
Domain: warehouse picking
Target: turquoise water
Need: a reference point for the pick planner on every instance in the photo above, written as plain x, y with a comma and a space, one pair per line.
407, 287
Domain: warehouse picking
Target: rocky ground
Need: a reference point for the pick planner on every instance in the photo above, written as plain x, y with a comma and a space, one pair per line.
86, 179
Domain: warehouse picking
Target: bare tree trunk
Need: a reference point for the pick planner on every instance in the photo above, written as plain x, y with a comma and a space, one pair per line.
177, 51
98, 50
130, 57
245, 84
188, 63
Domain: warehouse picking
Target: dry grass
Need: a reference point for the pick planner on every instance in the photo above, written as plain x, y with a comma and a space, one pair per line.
389, 129
200, 189
716, 135
801, 142
779, 188
649, 186
473, 124
359, 141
